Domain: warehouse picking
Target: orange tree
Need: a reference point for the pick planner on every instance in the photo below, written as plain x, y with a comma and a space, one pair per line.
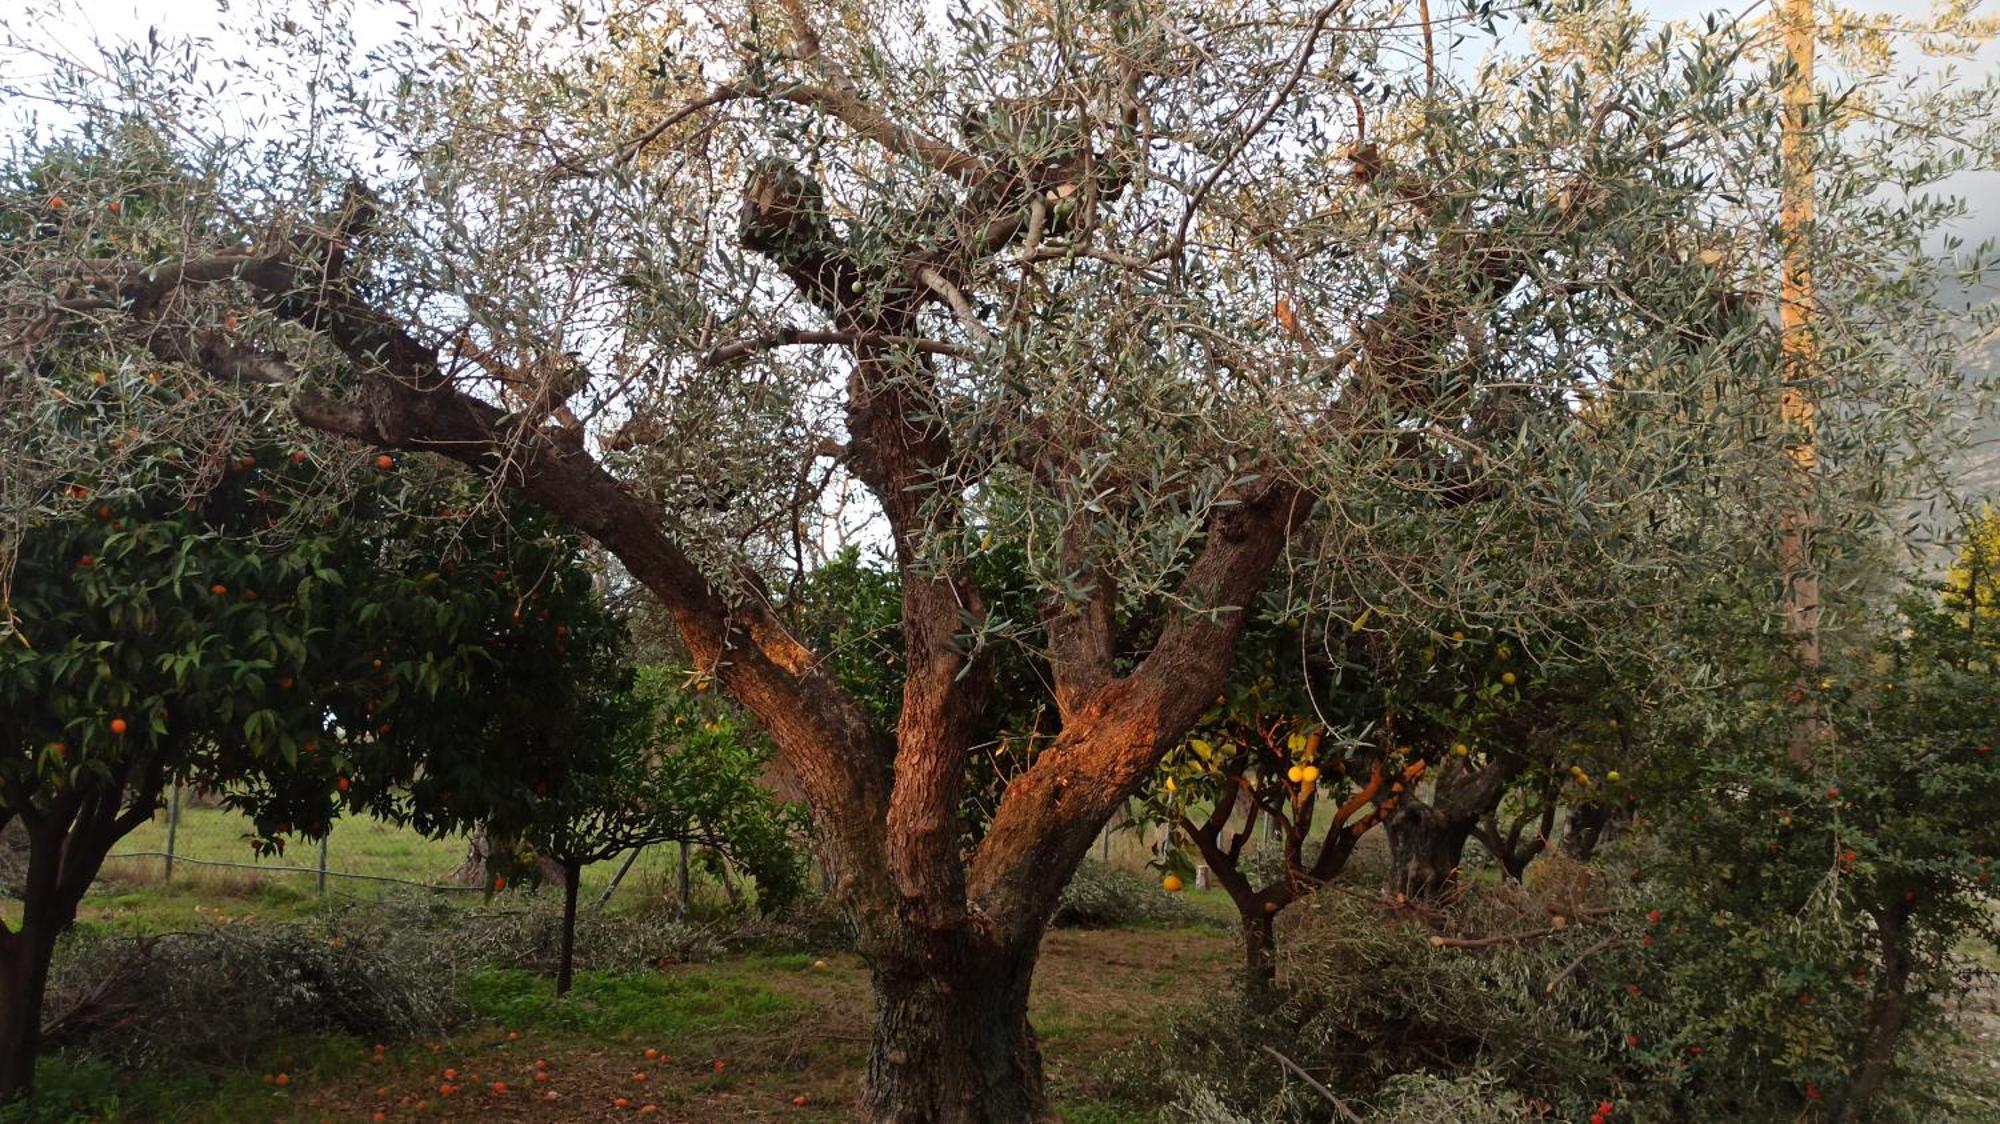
285, 620
1321, 739
653, 762
1160, 294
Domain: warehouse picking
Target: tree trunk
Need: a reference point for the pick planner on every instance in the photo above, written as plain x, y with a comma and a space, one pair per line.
572, 877
1260, 957
952, 1044
1425, 849
1887, 1015
1587, 827
488, 853
24, 976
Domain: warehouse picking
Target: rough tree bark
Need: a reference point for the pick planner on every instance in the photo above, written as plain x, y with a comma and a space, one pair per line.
487, 852
1427, 840
1888, 1013
1511, 847
1587, 828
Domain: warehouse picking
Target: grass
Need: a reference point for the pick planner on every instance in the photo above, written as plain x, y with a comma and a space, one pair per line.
627, 1005
740, 1039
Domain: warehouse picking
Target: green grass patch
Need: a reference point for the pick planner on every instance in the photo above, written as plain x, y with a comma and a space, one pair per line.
627, 1004
71, 1089
1096, 1112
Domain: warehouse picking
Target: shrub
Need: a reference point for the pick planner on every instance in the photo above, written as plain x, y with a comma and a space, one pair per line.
1103, 897
217, 994
1387, 1020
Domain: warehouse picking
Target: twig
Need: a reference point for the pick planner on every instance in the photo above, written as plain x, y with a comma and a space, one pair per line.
1503, 938
793, 337
960, 307
1593, 950
1338, 1105
1250, 134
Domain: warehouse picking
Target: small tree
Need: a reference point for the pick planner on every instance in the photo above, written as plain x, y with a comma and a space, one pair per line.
656, 763
1805, 925
1422, 733
260, 614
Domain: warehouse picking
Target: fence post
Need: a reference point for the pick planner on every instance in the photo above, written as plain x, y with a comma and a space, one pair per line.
322, 861
173, 829
619, 877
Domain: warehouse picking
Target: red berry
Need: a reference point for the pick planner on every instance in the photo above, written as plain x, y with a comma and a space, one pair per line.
1653, 917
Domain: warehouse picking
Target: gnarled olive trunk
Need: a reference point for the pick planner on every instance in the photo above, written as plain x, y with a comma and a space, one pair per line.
1587, 828
1427, 841
952, 1044
1426, 846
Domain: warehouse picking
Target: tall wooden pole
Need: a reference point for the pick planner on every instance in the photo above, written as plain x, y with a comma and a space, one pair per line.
1800, 357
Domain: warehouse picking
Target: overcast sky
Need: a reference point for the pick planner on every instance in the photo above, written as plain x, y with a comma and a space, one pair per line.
74, 23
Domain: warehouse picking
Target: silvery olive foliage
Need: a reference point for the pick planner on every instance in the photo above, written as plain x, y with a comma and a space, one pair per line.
1499, 303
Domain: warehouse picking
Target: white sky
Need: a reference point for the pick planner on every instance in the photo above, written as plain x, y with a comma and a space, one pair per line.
71, 25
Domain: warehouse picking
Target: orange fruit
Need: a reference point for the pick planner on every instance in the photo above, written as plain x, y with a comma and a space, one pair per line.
119, 727
620, 1102
282, 1079
385, 462
652, 1054
499, 1086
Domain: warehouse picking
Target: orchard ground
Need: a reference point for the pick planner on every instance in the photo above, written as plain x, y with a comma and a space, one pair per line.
758, 1034
753, 1035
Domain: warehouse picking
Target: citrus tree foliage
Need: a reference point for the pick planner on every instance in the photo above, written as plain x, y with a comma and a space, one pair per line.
1186, 303
1313, 747
303, 627
640, 761
667, 764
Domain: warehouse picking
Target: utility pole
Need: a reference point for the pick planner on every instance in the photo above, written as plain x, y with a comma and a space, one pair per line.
1800, 354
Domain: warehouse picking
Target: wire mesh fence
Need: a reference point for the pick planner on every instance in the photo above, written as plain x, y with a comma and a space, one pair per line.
198, 844
201, 847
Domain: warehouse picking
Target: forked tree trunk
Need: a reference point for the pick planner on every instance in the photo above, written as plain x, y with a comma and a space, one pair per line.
952, 1044
1587, 829
572, 878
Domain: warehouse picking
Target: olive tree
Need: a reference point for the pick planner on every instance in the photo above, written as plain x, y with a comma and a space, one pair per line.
1187, 303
